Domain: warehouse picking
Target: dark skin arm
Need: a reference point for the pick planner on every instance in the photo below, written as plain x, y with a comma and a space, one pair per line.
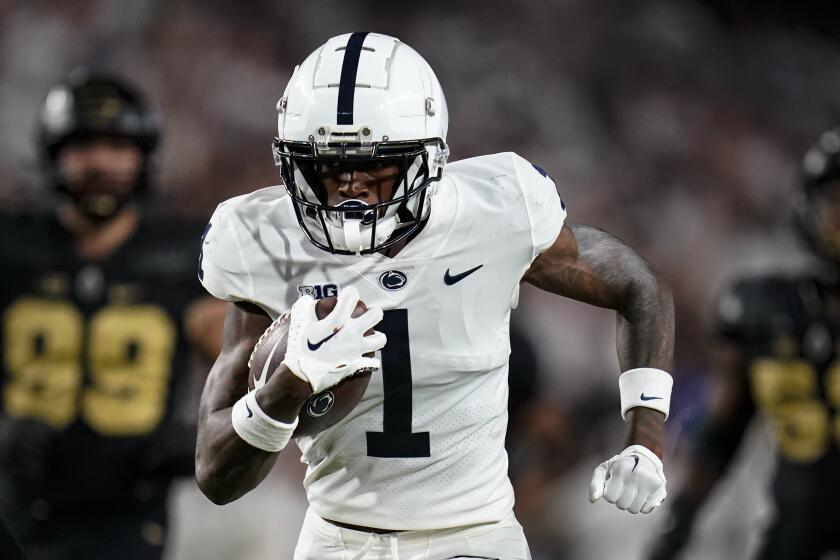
729, 410
226, 468
589, 265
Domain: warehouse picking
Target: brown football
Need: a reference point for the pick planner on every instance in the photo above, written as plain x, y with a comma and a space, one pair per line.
323, 409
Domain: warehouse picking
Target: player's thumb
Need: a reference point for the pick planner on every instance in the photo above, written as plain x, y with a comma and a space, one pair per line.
305, 308
599, 480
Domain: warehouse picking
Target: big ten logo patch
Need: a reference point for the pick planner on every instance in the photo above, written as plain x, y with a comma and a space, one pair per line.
319, 291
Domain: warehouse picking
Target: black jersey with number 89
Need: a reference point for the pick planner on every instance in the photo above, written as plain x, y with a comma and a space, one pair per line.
92, 354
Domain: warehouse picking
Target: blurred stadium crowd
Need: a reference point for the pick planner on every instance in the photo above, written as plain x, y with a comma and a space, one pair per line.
667, 123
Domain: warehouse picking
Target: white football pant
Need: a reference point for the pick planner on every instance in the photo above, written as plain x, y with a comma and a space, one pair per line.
321, 540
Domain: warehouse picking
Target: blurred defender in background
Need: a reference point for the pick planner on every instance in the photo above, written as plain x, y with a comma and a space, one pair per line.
99, 305
779, 354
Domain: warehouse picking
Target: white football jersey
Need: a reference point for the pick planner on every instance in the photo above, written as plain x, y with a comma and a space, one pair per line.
424, 449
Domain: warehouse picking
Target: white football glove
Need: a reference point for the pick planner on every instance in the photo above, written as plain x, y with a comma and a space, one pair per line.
323, 352
632, 480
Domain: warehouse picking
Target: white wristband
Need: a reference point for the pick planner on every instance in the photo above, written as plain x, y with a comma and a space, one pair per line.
257, 428
647, 387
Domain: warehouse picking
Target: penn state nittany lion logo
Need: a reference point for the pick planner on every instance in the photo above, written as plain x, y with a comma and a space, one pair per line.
392, 280
320, 404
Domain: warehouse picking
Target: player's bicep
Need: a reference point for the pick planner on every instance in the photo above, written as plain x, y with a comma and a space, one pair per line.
589, 265
228, 379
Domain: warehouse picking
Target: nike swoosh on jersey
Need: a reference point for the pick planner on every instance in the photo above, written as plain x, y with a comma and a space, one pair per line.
636, 464
644, 398
450, 279
317, 345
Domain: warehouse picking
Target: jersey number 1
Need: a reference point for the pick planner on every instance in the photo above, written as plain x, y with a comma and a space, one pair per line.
396, 439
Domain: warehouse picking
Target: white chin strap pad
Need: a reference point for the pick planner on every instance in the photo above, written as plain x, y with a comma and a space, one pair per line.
352, 235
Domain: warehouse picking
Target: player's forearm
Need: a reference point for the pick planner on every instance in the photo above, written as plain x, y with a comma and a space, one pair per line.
645, 330
226, 467
590, 265
645, 338
647, 428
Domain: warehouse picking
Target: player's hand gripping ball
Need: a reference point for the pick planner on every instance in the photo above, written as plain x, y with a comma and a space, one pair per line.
330, 344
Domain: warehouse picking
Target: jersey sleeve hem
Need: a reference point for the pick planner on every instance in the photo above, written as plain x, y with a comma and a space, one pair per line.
538, 246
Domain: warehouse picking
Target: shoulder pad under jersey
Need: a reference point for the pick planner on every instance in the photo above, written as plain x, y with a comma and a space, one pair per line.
225, 263
507, 183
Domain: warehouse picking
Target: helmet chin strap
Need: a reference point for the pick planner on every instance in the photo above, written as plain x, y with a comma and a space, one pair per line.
351, 230
352, 235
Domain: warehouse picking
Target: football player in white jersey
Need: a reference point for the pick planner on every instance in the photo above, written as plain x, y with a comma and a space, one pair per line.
370, 209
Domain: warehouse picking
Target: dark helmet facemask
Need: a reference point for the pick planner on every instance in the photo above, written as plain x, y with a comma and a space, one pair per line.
353, 227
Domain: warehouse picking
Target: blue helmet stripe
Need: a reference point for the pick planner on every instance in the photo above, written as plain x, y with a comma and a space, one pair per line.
347, 86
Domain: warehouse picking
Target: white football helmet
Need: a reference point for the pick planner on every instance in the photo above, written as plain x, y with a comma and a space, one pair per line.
361, 101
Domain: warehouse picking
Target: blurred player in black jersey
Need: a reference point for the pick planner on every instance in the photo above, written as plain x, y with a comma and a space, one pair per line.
100, 309
780, 356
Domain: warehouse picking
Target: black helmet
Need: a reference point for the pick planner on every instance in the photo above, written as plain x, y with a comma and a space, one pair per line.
89, 104
820, 167
94, 104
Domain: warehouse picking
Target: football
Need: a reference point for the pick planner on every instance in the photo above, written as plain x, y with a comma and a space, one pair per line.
323, 409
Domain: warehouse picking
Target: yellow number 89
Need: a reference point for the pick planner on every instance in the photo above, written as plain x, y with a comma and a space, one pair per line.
129, 351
